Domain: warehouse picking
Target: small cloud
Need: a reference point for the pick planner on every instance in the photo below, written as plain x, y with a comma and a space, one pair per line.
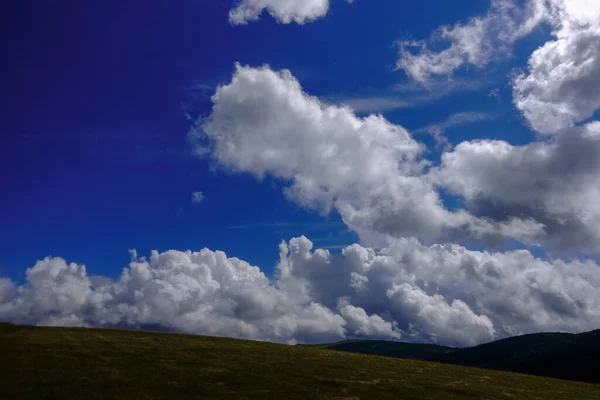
201, 87
285, 12
198, 197
494, 93
196, 93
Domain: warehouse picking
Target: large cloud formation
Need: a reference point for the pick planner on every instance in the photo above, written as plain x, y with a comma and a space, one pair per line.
368, 169
284, 11
441, 293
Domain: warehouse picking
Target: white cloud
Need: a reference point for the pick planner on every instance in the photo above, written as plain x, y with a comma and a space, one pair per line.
368, 169
562, 84
198, 197
284, 11
556, 183
441, 293
455, 322
57, 291
448, 293
477, 42
388, 286
202, 292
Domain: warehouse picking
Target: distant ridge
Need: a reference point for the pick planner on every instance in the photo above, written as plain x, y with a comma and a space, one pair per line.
557, 355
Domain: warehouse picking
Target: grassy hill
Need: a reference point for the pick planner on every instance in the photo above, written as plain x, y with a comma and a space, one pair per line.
59, 363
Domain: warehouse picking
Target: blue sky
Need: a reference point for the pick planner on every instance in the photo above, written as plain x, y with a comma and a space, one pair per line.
480, 142
96, 156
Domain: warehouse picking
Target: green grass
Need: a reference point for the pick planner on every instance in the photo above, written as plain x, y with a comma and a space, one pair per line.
59, 363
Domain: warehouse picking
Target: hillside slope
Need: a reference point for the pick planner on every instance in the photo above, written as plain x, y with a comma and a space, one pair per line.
59, 363
413, 351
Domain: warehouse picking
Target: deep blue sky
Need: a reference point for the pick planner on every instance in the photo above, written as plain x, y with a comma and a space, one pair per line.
94, 158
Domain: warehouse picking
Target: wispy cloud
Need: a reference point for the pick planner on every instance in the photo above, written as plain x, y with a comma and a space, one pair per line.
198, 197
375, 104
437, 129
440, 87
494, 92
411, 95
195, 97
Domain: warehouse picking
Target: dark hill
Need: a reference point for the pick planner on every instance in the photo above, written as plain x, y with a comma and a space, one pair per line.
558, 355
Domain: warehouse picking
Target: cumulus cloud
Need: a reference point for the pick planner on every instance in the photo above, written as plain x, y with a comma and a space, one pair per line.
477, 42
447, 293
389, 286
441, 294
562, 84
555, 182
202, 292
284, 11
455, 322
367, 169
